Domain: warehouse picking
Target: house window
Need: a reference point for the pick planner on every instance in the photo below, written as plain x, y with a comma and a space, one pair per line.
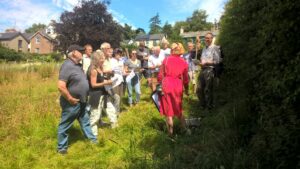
20, 44
48, 31
37, 39
37, 50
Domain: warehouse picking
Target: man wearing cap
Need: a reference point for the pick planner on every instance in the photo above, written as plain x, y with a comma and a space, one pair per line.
73, 87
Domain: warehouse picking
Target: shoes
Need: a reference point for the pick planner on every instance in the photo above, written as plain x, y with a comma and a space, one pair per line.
62, 152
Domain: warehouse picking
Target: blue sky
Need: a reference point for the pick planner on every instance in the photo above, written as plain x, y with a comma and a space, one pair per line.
21, 14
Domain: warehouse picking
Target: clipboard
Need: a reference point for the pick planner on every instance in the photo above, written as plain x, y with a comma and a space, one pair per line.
155, 99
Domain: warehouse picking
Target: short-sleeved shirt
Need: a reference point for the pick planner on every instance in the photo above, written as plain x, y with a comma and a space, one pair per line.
211, 54
155, 60
189, 60
141, 54
133, 65
107, 65
86, 61
76, 80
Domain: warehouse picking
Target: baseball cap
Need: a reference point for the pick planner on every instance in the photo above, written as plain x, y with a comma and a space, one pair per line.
75, 47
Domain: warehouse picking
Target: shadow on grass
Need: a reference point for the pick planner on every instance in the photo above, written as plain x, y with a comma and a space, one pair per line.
75, 134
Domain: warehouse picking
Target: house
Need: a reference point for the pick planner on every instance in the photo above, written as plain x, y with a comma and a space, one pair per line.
14, 40
150, 40
191, 36
42, 43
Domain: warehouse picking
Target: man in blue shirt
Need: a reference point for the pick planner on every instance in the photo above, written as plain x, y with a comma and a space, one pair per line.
73, 87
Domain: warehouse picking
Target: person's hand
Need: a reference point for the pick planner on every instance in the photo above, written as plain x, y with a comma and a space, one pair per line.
107, 82
73, 101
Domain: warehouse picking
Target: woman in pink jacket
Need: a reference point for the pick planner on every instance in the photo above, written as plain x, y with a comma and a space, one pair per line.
173, 76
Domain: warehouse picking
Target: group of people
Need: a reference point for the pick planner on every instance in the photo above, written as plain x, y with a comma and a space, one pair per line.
92, 82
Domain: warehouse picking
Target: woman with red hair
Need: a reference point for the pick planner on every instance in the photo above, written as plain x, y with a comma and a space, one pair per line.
173, 77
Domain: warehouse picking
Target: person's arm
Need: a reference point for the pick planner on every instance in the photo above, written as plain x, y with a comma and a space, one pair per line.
62, 87
185, 80
94, 83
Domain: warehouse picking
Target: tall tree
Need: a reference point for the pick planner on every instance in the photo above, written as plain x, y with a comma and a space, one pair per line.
128, 32
198, 21
88, 23
167, 29
35, 27
155, 24
140, 31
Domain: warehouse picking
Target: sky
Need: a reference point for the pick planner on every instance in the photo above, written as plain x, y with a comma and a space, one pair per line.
21, 14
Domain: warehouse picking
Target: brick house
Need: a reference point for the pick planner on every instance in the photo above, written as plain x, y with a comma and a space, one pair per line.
150, 40
14, 40
42, 43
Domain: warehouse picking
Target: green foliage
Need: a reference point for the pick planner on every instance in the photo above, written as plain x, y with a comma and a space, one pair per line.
35, 27
167, 29
198, 21
88, 23
10, 54
128, 32
155, 24
261, 43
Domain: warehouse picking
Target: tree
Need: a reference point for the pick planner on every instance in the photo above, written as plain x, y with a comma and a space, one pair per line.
167, 29
140, 31
128, 32
35, 27
88, 23
198, 21
180, 24
155, 24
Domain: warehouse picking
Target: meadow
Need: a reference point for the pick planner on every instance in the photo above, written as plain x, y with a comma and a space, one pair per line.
30, 113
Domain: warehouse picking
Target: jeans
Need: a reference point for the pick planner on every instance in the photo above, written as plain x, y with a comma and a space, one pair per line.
69, 114
134, 83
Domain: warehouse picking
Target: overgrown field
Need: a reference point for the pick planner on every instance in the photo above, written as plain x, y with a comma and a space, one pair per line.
30, 113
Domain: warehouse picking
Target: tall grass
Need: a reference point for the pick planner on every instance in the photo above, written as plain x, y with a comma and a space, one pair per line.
30, 113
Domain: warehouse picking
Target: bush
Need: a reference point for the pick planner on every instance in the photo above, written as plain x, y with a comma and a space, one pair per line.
10, 54
261, 43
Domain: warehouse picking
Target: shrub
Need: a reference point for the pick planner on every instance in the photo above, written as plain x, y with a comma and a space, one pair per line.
261, 43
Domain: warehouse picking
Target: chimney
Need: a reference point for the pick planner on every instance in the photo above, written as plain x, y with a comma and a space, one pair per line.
181, 30
10, 30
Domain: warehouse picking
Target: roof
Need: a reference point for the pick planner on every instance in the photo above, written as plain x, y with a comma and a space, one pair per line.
200, 33
8, 36
11, 35
149, 37
43, 33
28, 35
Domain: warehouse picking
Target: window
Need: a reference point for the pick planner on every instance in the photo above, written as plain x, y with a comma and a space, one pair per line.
37, 39
20, 44
37, 50
48, 31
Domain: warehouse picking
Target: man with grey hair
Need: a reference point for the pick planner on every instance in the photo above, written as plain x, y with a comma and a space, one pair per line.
154, 63
209, 58
73, 87
108, 71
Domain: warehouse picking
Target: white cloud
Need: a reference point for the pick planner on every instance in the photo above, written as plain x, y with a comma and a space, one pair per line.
214, 8
66, 4
21, 14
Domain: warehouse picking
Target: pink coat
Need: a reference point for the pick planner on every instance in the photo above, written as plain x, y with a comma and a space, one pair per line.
174, 76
